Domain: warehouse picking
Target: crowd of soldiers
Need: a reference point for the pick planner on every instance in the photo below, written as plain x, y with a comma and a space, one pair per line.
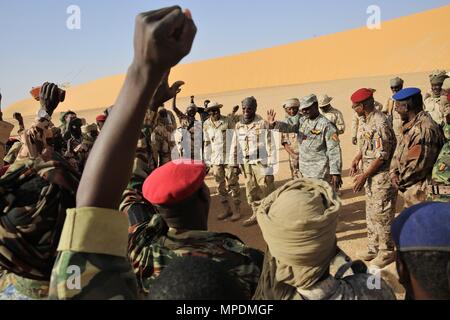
127, 209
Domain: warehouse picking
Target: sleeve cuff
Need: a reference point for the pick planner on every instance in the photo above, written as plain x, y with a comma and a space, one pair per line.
95, 230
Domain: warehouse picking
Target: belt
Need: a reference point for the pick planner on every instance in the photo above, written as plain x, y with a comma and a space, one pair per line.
439, 190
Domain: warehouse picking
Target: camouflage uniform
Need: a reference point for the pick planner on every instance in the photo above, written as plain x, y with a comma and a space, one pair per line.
433, 106
378, 142
394, 118
252, 148
320, 150
356, 120
5, 132
292, 140
335, 117
217, 138
415, 156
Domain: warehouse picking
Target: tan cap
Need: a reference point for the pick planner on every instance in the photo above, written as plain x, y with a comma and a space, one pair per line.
213, 105
324, 100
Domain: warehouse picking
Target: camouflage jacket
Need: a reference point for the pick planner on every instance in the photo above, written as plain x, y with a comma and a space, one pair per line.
356, 120
441, 171
320, 150
335, 117
417, 151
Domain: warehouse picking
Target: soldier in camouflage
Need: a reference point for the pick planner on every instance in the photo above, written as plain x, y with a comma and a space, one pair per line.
355, 121
217, 136
331, 113
290, 140
320, 150
417, 151
389, 109
377, 146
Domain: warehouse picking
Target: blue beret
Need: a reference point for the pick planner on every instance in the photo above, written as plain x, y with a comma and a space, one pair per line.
406, 94
424, 227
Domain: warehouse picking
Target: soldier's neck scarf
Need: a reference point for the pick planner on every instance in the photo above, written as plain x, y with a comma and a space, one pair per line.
298, 221
34, 196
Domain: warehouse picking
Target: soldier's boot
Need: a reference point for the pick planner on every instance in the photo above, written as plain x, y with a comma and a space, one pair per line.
251, 221
383, 259
227, 213
367, 255
237, 214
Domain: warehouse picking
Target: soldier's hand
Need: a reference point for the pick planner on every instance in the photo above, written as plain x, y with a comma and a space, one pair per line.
164, 92
235, 109
49, 97
354, 168
271, 114
162, 38
336, 182
359, 182
355, 141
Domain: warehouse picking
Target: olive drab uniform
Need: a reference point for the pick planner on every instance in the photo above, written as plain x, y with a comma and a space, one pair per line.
378, 142
217, 138
415, 156
252, 148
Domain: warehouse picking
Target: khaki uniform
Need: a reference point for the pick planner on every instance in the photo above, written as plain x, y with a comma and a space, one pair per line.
434, 107
217, 137
161, 139
378, 142
335, 117
415, 156
394, 118
188, 141
252, 148
356, 120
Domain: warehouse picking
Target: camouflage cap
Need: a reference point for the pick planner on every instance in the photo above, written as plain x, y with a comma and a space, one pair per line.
396, 82
291, 103
324, 100
438, 77
307, 101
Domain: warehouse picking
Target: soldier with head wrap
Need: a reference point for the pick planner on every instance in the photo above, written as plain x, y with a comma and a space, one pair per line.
290, 140
432, 102
298, 222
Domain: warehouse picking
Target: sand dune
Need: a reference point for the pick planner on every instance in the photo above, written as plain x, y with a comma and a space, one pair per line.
416, 43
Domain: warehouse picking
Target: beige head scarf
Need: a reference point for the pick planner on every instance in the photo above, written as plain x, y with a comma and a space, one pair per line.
298, 222
438, 77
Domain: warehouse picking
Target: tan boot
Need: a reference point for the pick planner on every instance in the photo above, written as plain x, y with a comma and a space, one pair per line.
383, 259
367, 255
250, 222
237, 214
228, 212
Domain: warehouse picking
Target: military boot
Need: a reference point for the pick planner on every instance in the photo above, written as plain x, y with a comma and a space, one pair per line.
227, 213
383, 259
367, 255
251, 221
237, 214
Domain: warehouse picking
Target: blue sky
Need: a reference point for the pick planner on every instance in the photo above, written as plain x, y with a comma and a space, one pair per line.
36, 45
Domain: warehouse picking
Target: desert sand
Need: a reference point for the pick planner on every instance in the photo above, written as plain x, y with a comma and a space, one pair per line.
337, 65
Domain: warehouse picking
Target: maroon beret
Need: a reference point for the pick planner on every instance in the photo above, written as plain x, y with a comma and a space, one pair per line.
362, 95
101, 118
174, 182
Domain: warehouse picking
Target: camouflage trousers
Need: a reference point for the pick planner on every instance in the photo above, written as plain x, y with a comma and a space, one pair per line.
381, 198
415, 194
227, 179
295, 168
258, 184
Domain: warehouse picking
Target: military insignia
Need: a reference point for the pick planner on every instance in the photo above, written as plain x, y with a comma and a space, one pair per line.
442, 167
378, 143
316, 132
335, 137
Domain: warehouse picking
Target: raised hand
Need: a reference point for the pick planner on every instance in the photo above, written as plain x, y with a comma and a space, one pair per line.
164, 92
49, 97
271, 114
235, 109
162, 38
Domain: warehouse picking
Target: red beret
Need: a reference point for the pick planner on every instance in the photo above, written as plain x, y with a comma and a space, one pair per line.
101, 118
362, 95
174, 182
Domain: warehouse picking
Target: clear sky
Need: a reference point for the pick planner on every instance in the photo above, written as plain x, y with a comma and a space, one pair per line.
36, 45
